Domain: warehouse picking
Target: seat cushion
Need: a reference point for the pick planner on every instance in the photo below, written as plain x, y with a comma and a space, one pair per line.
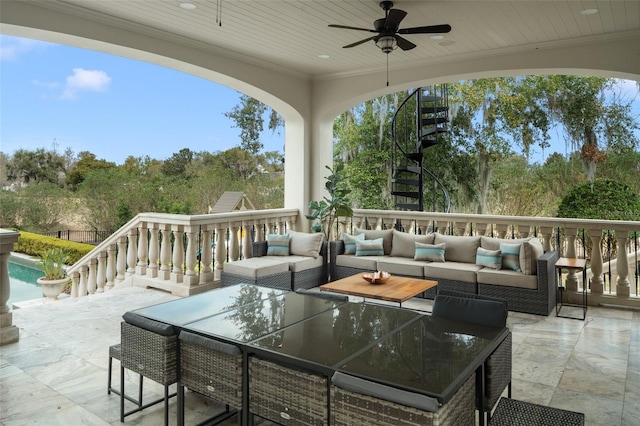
369, 263
257, 267
452, 271
507, 278
459, 249
402, 266
300, 263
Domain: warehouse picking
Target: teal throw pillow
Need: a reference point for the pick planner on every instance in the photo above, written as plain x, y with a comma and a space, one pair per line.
278, 245
430, 252
511, 256
370, 247
489, 258
350, 242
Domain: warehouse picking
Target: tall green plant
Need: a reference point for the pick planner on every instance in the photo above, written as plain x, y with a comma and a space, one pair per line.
329, 209
52, 262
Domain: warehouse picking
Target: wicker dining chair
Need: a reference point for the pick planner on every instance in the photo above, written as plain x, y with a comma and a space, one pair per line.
115, 352
211, 368
355, 401
149, 348
486, 311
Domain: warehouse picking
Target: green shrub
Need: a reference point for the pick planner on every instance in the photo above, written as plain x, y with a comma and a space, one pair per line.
35, 245
602, 199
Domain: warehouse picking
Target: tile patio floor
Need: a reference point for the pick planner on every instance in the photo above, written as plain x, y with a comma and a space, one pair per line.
57, 373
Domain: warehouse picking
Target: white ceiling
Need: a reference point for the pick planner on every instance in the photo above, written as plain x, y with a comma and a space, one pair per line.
289, 34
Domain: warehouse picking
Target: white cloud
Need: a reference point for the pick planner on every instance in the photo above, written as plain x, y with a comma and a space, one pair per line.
13, 47
85, 81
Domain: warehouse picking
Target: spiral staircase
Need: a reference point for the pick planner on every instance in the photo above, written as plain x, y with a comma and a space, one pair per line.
417, 125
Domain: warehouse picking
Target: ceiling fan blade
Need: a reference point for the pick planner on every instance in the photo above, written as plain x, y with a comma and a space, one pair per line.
394, 18
431, 29
358, 42
403, 43
352, 28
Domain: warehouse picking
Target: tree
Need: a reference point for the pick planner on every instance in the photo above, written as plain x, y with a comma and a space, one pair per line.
86, 164
249, 118
35, 166
42, 206
178, 164
601, 199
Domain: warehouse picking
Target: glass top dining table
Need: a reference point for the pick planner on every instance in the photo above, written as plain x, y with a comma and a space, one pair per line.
386, 344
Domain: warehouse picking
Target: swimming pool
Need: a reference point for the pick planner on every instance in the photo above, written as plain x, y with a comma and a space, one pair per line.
22, 280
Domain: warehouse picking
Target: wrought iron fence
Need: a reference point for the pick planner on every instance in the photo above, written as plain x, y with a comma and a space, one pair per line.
87, 237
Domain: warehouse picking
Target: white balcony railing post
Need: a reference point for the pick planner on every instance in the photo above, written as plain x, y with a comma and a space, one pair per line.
165, 253
152, 268
247, 249
143, 249
572, 277
111, 265
82, 288
206, 257
190, 276
178, 255
221, 250
121, 263
101, 275
91, 279
622, 287
132, 252
597, 283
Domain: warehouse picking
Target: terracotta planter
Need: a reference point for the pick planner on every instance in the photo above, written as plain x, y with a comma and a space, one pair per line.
52, 288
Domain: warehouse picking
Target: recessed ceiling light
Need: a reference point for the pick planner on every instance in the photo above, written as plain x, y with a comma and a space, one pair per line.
589, 11
188, 6
437, 37
323, 56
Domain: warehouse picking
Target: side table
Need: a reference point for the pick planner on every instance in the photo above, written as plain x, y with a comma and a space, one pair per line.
576, 264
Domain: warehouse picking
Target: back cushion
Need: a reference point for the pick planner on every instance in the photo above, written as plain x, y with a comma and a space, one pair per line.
386, 235
459, 249
404, 243
491, 243
305, 244
529, 253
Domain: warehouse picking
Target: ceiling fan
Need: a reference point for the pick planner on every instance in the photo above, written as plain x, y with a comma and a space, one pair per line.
388, 37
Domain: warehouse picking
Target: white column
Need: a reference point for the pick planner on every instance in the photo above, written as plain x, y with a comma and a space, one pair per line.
206, 274
234, 250
91, 278
82, 288
221, 250
190, 278
75, 283
572, 277
111, 266
622, 288
247, 248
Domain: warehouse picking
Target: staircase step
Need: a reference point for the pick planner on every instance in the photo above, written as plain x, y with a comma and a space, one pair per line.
408, 194
411, 182
409, 169
430, 109
429, 142
430, 121
415, 156
408, 206
432, 131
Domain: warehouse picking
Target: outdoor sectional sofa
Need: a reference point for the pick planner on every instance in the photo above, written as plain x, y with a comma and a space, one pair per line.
298, 260
457, 263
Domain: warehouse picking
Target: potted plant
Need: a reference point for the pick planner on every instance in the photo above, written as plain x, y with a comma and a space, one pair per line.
52, 262
325, 212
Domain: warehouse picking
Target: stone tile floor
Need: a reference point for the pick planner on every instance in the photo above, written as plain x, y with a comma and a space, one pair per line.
57, 373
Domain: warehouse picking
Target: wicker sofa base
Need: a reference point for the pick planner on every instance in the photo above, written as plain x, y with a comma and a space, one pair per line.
350, 408
309, 278
287, 396
280, 281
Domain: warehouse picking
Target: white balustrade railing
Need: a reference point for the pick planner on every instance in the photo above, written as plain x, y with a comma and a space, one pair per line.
171, 252
178, 253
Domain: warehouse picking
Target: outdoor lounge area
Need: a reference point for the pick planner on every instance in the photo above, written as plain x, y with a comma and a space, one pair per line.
60, 363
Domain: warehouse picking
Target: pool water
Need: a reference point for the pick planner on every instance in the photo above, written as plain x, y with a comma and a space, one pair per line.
22, 279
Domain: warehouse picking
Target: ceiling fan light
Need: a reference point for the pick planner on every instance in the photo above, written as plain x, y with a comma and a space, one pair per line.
387, 43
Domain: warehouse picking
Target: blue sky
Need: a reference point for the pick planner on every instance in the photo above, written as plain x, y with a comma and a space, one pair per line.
59, 96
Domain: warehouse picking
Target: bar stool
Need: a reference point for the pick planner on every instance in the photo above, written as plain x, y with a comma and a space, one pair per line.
115, 351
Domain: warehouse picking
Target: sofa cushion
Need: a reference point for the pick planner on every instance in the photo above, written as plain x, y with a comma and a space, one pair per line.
489, 258
459, 249
350, 242
305, 244
511, 256
529, 253
257, 267
456, 271
491, 243
507, 278
402, 266
299, 263
386, 235
429, 252
368, 263
370, 247
278, 245
403, 243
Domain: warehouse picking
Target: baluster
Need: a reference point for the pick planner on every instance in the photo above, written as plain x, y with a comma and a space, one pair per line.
247, 248
259, 227
177, 273
111, 265
82, 288
481, 228
460, 228
191, 278
152, 268
165, 253
143, 250
597, 284
132, 252
622, 288
101, 274
547, 234
75, 279
234, 251
121, 263
206, 257
91, 280
221, 252
501, 230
